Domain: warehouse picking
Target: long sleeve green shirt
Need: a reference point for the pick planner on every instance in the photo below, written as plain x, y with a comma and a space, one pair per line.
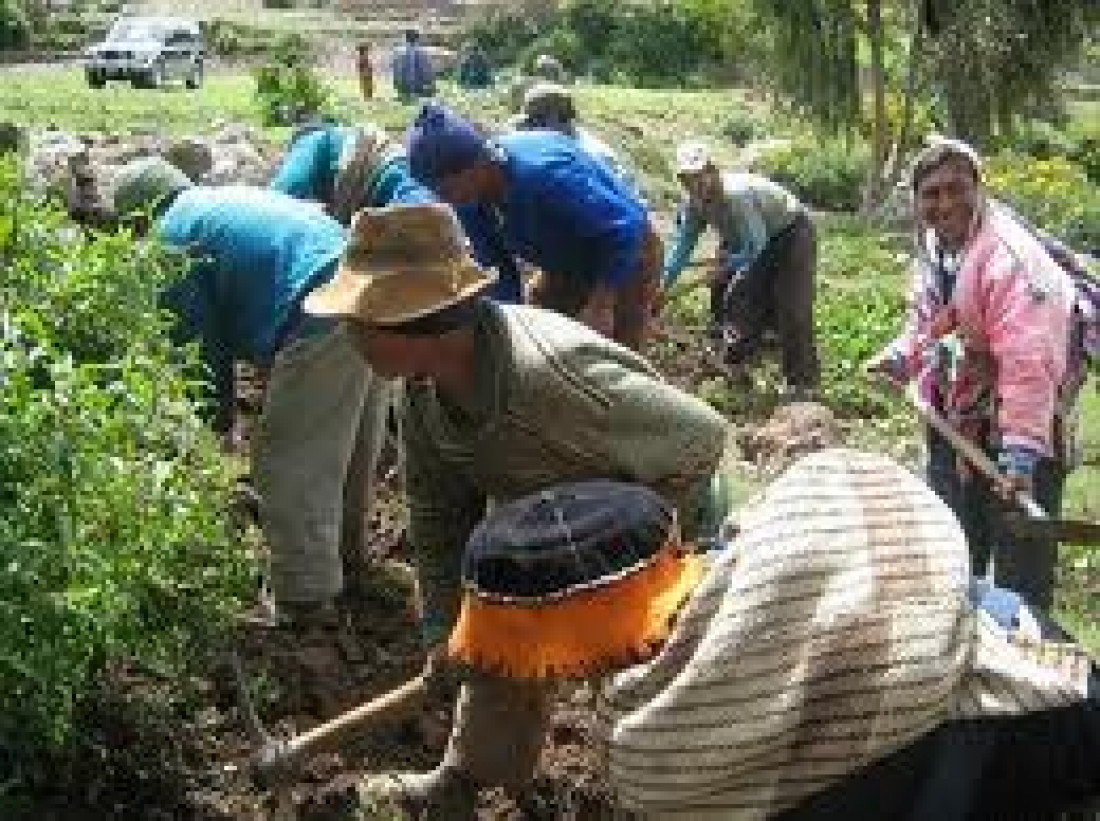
557, 402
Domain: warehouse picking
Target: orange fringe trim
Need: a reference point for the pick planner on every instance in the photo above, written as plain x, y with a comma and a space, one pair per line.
609, 627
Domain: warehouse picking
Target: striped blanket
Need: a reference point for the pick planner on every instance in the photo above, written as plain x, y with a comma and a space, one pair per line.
836, 630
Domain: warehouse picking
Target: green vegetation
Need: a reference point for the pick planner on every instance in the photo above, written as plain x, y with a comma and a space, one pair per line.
1054, 193
827, 174
15, 28
288, 89
649, 43
114, 544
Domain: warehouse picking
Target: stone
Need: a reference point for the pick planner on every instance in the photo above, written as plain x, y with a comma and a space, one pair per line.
191, 156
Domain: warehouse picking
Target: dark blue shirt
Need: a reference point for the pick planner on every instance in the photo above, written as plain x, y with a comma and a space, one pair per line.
567, 213
413, 75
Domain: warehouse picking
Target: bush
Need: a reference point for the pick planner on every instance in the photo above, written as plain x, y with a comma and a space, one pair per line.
15, 28
825, 174
113, 539
645, 43
1055, 194
288, 90
741, 125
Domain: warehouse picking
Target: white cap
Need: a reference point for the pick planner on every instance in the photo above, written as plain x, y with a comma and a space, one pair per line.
692, 157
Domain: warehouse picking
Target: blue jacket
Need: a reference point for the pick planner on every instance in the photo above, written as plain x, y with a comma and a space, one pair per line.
565, 212
254, 256
413, 75
311, 163
309, 172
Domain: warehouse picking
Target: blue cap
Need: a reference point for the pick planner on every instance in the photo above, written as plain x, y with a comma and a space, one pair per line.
440, 143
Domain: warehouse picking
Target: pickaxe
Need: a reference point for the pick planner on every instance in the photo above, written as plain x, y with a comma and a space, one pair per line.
1034, 522
274, 761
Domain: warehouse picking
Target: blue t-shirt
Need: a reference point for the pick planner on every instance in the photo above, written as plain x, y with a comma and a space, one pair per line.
566, 213
254, 255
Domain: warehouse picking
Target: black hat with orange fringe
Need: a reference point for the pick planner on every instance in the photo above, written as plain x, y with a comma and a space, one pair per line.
571, 582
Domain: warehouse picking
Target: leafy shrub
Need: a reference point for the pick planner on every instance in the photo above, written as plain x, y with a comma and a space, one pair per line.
826, 174
289, 90
742, 125
504, 34
1055, 194
113, 541
15, 28
645, 43
1042, 140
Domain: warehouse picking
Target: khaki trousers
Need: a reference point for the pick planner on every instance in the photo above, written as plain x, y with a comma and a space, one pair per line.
498, 731
315, 451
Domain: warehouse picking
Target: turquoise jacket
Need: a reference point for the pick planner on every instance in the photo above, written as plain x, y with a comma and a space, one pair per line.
254, 255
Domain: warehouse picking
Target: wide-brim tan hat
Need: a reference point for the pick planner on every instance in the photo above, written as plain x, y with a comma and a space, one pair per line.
402, 263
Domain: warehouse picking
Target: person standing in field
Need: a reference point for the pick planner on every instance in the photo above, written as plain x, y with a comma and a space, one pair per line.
763, 279
364, 68
987, 341
413, 75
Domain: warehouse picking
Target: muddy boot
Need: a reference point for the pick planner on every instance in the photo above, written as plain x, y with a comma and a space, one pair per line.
437, 794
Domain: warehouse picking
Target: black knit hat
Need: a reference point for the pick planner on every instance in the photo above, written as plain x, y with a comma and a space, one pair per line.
571, 581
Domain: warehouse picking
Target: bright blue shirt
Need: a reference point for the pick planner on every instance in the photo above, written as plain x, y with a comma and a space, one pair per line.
565, 212
309, 172
254, 254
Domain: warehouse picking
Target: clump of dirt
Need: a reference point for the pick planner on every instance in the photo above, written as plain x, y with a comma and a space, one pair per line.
792, 431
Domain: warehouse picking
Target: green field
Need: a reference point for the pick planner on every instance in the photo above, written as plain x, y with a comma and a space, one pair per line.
862, 268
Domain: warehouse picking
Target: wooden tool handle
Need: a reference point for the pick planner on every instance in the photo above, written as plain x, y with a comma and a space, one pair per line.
398, 703
973, 454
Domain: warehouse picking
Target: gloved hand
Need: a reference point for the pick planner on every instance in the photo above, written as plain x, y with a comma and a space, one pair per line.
1018, 464
889, 363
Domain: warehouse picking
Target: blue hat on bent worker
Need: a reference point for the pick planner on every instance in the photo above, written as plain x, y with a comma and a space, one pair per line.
143, 183
574, 581
441, 142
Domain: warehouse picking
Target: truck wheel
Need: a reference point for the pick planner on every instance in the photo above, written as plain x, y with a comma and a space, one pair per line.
96, 79
194, 79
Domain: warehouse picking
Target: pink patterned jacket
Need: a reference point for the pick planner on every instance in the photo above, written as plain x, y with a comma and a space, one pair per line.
996, 351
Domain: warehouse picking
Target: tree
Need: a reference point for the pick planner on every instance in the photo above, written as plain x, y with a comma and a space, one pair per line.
995, 59
991, 60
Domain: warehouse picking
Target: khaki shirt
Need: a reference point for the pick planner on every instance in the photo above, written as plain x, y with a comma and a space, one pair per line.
557, 403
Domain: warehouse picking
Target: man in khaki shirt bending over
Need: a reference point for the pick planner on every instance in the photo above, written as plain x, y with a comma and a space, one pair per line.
502, 401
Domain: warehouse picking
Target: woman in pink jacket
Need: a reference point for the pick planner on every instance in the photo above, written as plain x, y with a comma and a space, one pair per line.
987, 341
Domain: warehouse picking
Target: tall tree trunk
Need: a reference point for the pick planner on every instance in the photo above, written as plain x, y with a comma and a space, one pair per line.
912, 72
872, 193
